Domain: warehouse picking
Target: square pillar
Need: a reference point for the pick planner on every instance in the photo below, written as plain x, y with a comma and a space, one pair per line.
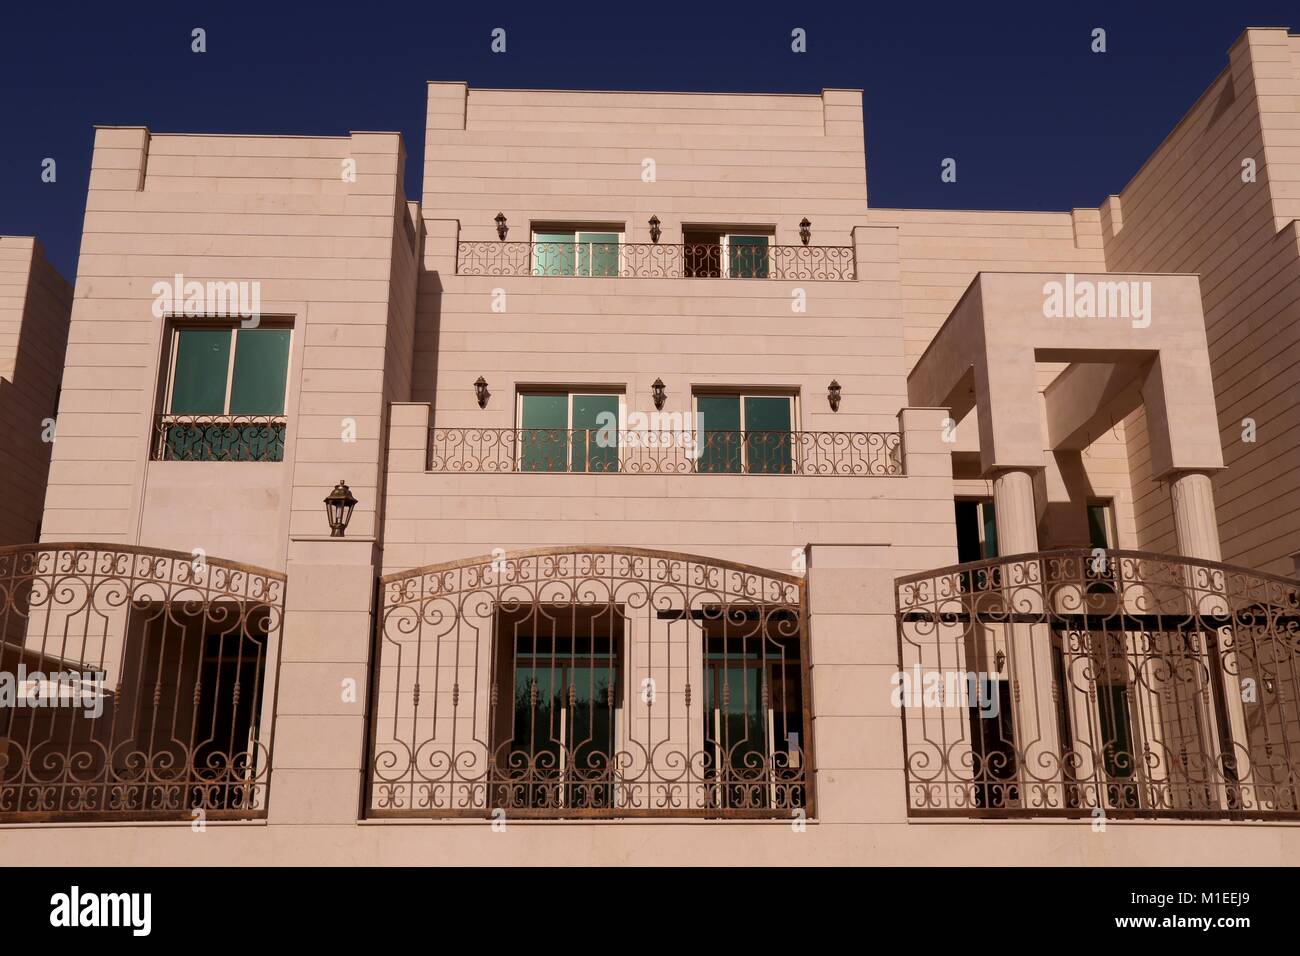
318, 754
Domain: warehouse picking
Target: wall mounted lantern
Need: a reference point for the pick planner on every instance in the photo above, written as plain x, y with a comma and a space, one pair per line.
481, 392
660, 395
338, 508
833, 395
805, 230
654, 229
502, 228
1000, 659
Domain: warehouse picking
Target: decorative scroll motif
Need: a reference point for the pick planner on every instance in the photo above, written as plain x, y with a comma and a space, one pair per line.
134, 684
646, 260
590, 683
219, 438
1095, 684
594, 451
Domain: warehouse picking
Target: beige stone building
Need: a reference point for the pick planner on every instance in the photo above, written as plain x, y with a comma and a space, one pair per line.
704, 513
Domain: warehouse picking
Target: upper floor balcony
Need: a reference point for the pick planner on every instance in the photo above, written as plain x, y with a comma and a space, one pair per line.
606, 255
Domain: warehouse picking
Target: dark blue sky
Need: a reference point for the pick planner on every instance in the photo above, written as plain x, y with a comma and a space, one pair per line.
1034, 119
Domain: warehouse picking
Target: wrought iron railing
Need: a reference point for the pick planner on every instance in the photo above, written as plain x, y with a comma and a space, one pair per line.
609, 682
219, 438
647, 260
1089, 683
138, 684
598, 451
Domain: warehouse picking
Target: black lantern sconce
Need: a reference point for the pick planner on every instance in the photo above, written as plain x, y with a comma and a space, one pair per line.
805, 230
833, 395
481, 392
654, 229
502, 228
1000, 659
338, 508
660, 395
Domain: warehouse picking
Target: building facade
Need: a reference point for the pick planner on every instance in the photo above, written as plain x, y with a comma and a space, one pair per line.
703, 513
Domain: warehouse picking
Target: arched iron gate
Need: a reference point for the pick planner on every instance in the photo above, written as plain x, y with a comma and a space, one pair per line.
594, 682
134, 683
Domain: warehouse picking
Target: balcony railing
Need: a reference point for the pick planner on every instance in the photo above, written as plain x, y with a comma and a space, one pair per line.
647, 260
219, 438
597, 451
140, 684
1100, 684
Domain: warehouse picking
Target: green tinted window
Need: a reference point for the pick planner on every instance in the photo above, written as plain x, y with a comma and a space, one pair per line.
199, 381
595, 433
598, 254
554, 253
544, 441
767, 435
720, 421
990, 529
747, 256
261, 366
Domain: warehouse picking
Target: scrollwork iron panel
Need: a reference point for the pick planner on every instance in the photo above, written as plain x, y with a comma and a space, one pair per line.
594, 451
648, 260
134, 684
219, 438
590, 683
1088, 683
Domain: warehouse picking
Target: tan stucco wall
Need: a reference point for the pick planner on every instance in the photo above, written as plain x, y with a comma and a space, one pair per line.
1188, 210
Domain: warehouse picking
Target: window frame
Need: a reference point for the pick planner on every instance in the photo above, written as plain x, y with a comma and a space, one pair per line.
169, 381
726, 233
792, 395
618, 229
570, 392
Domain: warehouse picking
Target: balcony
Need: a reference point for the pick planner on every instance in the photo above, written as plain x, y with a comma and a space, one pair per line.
135, 684
1100, 684
645, 260
219, 438
597, 451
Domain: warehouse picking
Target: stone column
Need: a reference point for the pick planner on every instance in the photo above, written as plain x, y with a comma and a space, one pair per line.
1195, 522
1030, 653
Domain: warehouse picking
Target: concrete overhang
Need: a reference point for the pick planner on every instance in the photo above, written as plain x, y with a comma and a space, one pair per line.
1130, 339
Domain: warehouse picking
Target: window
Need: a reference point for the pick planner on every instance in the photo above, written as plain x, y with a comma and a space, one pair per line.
745, 434
556, 728
559, 251
708, 253
568, 431
977, 529
1101, 534
221, 381
753, 708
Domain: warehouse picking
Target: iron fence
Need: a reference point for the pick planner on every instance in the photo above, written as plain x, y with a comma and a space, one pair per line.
597, 451
590, 683
1089, 683
219, 438
134, 683
646, 260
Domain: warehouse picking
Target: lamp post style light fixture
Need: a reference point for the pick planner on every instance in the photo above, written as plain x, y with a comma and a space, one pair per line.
805, 230
502, 228
660, 395
481, 392
338, 508
655, 232
833, 395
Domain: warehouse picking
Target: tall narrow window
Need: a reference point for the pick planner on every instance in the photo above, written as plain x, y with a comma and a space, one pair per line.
748, 434
977, 529
575, 252
556, 725
1101, 535
225, 395
753, 708
568, 431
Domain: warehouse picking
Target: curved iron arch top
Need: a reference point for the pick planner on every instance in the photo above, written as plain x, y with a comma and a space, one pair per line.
143, 551
577, 551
